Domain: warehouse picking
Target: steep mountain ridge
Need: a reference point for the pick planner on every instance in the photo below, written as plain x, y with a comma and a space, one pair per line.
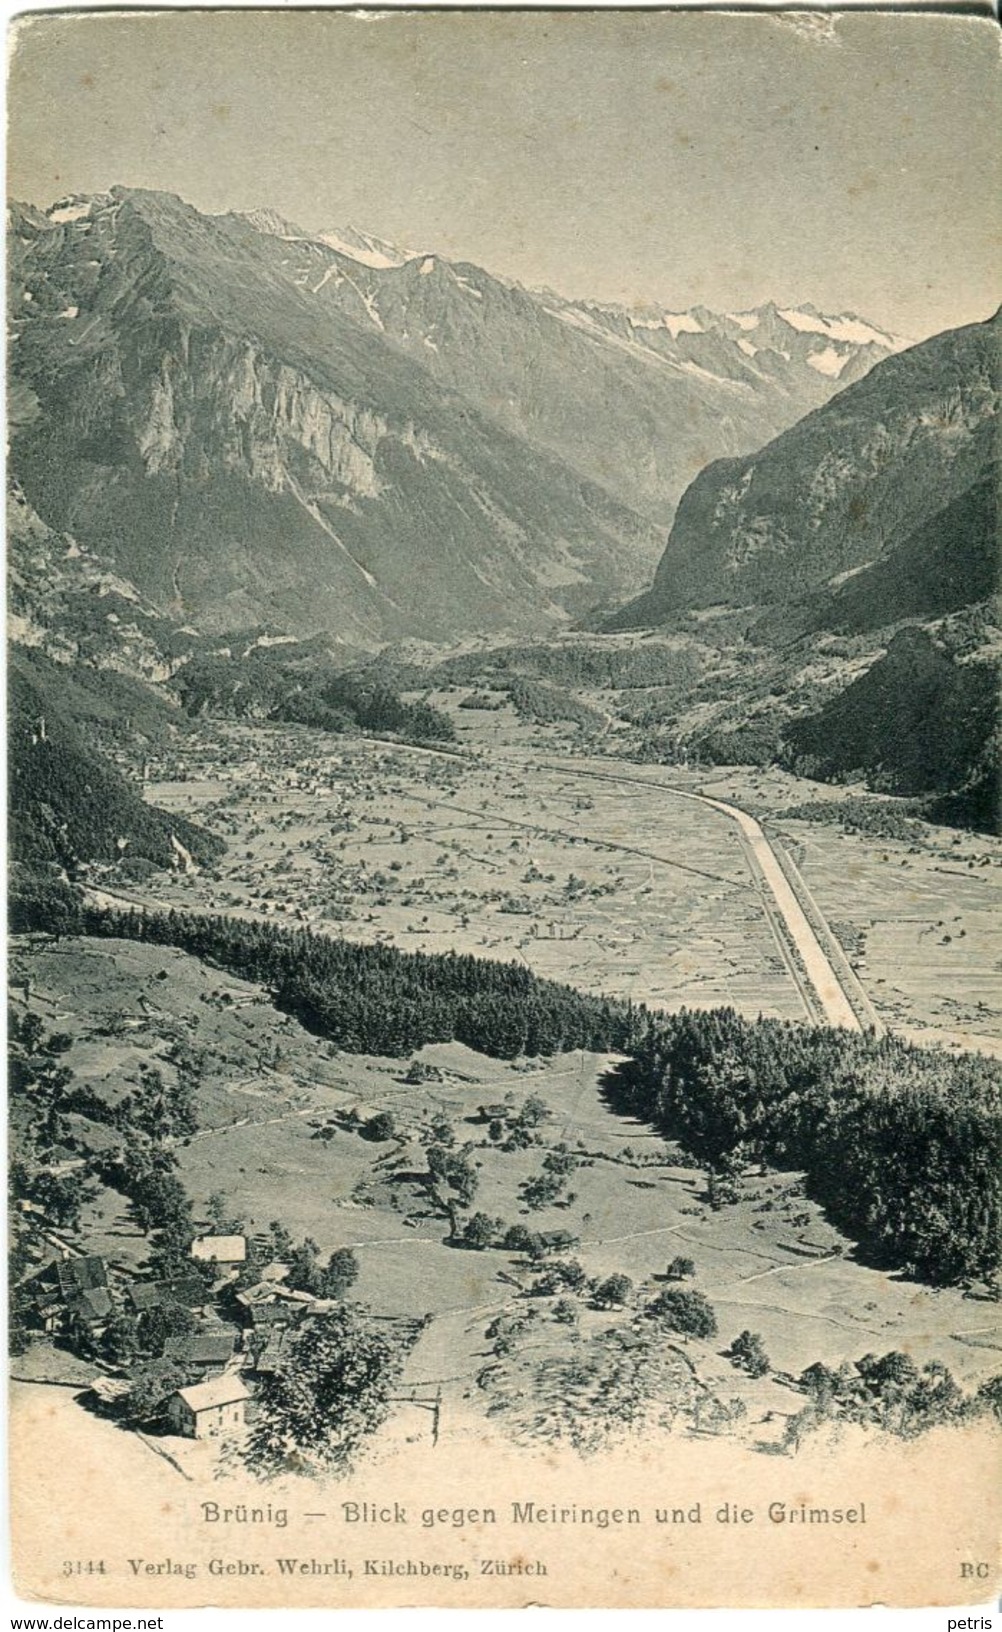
844, 488
242, 452
636, 399
865, 538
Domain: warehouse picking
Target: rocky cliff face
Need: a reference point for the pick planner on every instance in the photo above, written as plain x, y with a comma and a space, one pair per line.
321, 431
638, 400
241, 451
69, 604
844, 488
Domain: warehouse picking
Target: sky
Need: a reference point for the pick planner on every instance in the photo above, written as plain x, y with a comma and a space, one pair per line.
670, 158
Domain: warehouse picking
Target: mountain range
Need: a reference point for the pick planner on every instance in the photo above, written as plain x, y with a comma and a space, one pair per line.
874, 522
253, 424
228, 433
857, 500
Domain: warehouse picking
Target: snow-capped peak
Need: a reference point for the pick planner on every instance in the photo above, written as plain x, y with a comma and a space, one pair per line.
69, 209
365, 247
269, 221
351, 242
848, 328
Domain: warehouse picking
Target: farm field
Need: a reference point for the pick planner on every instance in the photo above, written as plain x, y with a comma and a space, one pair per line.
588, 870
272, 1145
921, 927
583, 882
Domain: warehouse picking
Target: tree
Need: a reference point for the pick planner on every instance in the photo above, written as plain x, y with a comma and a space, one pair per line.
481, 1230
821, 1382
454, 1180
305, 1274
159, 1108
170, 1257
613, 1292
333, 1393
62, 1195
989, 1396
560, 1161
340, 1274
249, 1272
217, 1212
798, 1426
120, 1340
440, 1131
748, 1352
721, 1188
893, 1368
542, 1191
152, 1384
159, 1201
162, 1322
683, 1311
556, 1276
518, 1238
420, 1071
680, 1269
379, 1127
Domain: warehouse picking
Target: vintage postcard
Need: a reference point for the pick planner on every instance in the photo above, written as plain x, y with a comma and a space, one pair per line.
503, 640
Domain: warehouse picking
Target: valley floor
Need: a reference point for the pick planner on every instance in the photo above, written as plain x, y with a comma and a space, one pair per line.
588, 871
599, 873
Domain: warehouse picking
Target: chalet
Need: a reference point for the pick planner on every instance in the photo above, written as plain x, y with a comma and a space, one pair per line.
209, 1410
68, 1289
268, 1353
76, 1275
110, 1391
267, 1302
265, 1317
204, 1353
262, 1305
557, 1240
225, 1251
91, 1309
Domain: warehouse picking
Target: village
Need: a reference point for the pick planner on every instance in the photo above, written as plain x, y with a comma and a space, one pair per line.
506, 1233
305, 1178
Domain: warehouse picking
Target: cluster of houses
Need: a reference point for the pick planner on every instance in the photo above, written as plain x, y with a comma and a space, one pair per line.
76, 1297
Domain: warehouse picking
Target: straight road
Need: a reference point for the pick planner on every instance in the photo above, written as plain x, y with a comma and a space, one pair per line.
828, 985
837, 995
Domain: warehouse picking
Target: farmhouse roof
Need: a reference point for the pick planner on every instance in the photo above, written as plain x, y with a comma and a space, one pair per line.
224, 1390
273, 1353
260, 1292
80, 1274
270, 1314
201, 1348
110, 1389
93, 1304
